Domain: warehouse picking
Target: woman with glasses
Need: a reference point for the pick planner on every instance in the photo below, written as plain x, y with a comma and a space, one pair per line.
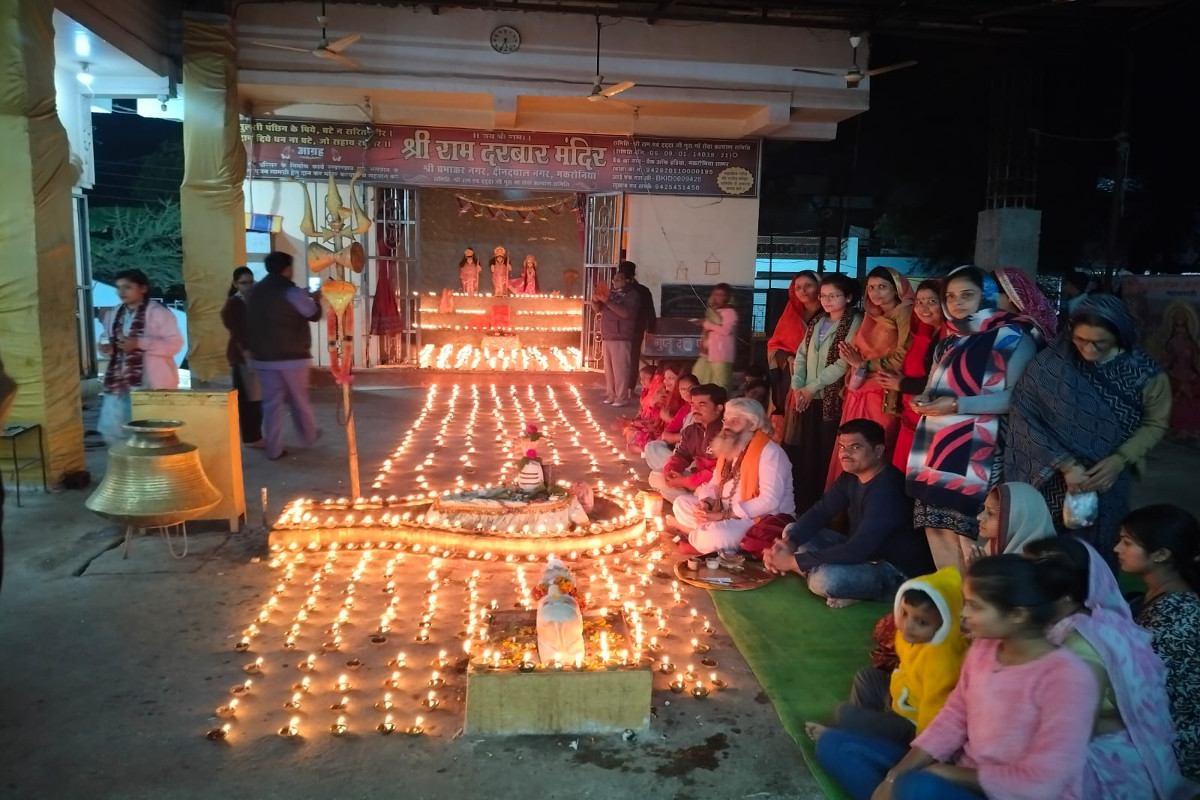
956, 454
1085, 415
815, 401
249, 398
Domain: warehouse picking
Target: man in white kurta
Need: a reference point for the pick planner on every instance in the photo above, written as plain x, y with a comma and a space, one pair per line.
722, 510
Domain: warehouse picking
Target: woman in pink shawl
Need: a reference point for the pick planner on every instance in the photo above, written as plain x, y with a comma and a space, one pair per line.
1130, 756
879, 345
1021, 296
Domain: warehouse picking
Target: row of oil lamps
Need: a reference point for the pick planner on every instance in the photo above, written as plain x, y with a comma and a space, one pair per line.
477, 636
529, 358
477, 613
301, 514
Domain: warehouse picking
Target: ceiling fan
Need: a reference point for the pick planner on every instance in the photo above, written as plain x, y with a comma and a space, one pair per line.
599, 93
855, 74
326, 49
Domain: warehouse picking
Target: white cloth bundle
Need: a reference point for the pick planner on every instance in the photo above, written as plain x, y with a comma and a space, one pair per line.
559, 620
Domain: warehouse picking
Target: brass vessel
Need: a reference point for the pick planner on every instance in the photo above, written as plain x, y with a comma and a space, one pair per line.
153, 479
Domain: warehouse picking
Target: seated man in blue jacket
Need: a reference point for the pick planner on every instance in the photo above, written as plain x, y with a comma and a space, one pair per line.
882, 549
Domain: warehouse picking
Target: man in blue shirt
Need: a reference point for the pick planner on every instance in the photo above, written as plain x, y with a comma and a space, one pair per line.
882, 549
278, 335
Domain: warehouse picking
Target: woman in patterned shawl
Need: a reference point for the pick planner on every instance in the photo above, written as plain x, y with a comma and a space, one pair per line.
1020, 295
1129, 757
1085, 415
957, 447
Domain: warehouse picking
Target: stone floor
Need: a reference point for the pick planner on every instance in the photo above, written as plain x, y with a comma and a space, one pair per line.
111, 669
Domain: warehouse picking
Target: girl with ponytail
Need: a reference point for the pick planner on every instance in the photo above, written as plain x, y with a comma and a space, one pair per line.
1161, 544
1017, 725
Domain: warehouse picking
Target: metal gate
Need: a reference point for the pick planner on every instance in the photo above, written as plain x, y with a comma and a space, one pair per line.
604, 227
392, 263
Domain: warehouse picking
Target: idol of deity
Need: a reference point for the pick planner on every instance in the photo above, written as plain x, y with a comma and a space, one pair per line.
526, 282
468, 272
501, 270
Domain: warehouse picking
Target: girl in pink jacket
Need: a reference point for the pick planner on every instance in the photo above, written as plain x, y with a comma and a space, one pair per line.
141, 339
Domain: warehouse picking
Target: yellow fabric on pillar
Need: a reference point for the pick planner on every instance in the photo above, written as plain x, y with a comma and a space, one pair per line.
211, 202
37, 270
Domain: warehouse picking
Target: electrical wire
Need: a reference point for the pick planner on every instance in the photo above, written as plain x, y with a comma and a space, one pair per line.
1038, 134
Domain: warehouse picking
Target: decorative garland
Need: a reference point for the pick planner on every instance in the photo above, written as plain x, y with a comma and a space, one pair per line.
528, 212
566, 586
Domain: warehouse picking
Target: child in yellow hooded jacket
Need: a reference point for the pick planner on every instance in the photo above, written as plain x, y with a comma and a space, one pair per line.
931, 649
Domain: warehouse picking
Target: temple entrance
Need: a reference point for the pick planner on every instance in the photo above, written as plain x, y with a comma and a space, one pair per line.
419, 305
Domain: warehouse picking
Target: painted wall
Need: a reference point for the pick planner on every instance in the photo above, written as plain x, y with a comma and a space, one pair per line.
280, 199
75, 114
445, 233
285, 199
670, 238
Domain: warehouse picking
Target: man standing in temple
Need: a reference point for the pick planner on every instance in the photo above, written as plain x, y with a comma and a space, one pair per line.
646, 319
278, 336
882, 549
618, 316
751, 482
691, 465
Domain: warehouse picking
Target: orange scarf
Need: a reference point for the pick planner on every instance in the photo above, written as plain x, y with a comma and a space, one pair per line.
748, 480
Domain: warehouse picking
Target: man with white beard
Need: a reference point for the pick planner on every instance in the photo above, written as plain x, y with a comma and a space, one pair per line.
752, 480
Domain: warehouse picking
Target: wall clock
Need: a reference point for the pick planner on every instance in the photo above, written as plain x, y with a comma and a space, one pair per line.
505, 39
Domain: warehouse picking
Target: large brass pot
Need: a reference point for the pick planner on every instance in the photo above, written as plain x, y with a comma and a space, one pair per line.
153, 479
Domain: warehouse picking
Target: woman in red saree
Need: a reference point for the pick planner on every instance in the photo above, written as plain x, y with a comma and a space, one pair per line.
801, 309
910, 379
879, 344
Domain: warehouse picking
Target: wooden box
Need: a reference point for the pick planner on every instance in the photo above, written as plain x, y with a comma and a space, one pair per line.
210, 420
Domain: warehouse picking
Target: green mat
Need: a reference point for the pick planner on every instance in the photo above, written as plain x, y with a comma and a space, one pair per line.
803, 653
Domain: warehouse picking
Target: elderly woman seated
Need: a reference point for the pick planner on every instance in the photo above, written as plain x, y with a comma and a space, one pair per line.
751, 482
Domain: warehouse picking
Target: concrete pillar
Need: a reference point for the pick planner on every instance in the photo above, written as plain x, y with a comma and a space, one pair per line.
211, 202
1008, 237
37, 231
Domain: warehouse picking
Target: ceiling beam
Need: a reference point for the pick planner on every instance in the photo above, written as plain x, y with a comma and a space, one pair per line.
950, 20
663, 7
